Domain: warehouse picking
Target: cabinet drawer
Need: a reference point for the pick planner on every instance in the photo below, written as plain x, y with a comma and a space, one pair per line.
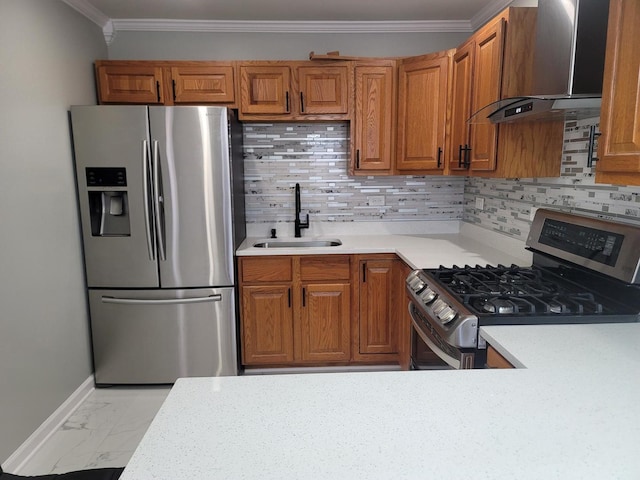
266, 269
325, 267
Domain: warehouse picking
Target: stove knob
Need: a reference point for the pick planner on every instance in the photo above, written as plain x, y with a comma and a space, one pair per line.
416, 284
428, 295
438, 306
447, 315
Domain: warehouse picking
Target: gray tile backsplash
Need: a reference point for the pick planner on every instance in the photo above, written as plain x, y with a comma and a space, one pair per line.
315, 155
508, 203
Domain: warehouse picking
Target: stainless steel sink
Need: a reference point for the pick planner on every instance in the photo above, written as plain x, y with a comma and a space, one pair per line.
302, 243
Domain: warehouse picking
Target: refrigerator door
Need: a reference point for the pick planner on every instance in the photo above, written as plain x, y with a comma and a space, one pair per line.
113, 174
157, 336
190, 151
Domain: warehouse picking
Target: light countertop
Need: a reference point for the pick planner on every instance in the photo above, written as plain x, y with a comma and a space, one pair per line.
473, 245
572, 412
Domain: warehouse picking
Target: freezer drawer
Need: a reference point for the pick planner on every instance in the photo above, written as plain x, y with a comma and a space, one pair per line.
157, 336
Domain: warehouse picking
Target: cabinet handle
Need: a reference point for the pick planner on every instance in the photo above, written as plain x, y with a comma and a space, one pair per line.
592, 144
289, 295
301, 102
358, 158
158, 90
439, 157
304, 295
174, 89
286, 96
364, 272
467, 154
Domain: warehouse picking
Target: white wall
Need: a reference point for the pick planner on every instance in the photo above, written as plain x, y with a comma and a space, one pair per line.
273, 46
46, 55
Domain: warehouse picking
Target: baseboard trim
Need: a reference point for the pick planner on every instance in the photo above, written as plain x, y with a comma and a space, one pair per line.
31, 445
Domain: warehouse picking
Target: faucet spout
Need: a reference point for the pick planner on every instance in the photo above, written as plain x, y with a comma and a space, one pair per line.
299, 224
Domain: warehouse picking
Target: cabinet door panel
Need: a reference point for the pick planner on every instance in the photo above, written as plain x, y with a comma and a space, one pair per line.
422, 115
373, 118
130, 84
619, 146
323, 90
203, 84
461, 107
267, 324
378, 332
265, 89
486, 89
325, 323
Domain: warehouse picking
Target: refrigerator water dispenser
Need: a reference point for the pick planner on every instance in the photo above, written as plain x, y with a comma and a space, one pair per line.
108, 207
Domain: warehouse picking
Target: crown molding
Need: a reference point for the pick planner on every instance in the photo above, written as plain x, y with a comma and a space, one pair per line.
240, 26
488, 12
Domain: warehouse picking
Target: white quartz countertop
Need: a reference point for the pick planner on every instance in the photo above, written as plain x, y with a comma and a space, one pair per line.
573, 412
472, 246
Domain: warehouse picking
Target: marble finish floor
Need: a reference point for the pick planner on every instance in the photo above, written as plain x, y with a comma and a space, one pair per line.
104, 431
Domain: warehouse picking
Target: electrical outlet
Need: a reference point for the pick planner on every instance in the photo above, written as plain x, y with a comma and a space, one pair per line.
376, 200
479, 203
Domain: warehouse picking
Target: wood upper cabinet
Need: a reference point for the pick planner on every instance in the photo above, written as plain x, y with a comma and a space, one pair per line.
462, 78
202, 84
496, 63
488, 47
165, 82
619, 145
323, 90
373, 122
294, 90
422, 113
265, 89
130, 83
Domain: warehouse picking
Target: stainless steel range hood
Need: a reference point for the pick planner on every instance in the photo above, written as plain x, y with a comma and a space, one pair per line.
568, 65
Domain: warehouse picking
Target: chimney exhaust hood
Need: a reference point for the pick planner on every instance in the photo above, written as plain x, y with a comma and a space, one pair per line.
568, 65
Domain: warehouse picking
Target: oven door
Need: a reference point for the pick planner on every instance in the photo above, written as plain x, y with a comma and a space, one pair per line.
424, 337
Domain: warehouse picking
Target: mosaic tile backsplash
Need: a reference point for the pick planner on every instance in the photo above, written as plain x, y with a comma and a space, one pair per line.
508, 204
315, 155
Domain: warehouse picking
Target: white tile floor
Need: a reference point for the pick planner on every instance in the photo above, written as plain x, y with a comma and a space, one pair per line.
103, 432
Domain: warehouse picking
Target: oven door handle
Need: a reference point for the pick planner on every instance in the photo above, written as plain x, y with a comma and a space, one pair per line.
453, 362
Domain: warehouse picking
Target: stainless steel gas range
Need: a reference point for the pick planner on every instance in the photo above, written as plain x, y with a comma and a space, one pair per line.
585, 270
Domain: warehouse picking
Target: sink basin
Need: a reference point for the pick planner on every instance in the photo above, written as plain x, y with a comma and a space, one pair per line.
301, 243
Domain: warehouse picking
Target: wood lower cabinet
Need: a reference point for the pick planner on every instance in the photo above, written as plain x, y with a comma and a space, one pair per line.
267, 324
496, 360
165, 82
325, 322
295, 310
422, 113
377, 330
619, 145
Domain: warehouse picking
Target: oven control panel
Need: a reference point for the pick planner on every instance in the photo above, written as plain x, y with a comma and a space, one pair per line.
593, 244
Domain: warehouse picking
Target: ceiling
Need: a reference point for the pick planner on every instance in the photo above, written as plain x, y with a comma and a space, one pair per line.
302, 16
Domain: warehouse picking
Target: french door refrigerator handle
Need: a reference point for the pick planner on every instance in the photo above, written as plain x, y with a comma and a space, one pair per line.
166, 301
145, 192
157, 199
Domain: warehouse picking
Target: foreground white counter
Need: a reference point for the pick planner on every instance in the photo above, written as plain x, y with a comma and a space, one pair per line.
574, 412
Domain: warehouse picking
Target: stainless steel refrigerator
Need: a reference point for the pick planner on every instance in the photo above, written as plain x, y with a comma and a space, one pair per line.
161, 199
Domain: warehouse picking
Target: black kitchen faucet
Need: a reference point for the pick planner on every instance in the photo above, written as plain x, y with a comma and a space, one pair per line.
299, 225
